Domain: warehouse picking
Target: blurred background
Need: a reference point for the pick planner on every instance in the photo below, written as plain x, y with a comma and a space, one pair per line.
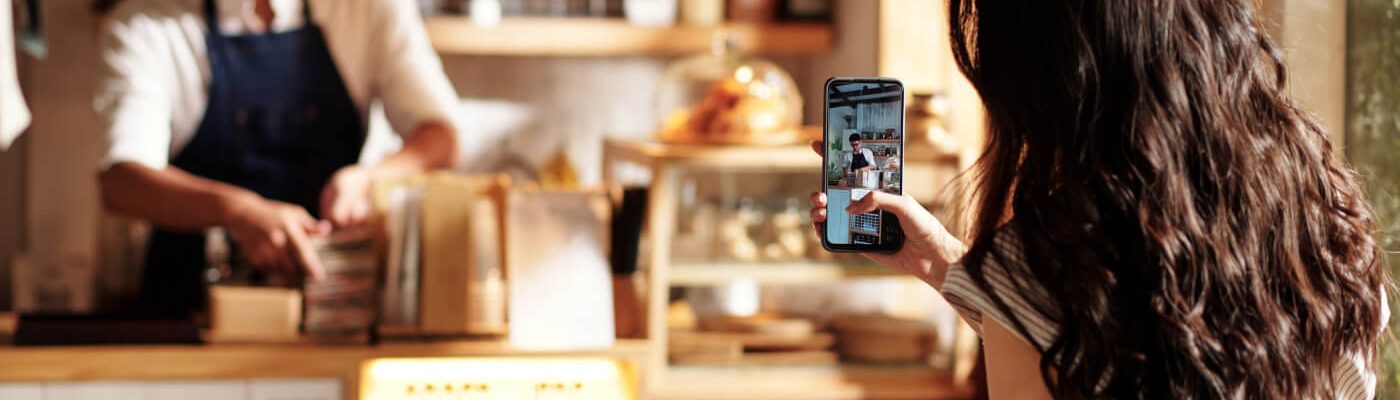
718, 288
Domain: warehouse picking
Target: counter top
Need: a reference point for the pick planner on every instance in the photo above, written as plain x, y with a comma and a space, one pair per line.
818, 383
237, 361
214, 361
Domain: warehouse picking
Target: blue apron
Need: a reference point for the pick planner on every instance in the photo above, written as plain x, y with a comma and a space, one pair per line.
279, 122
858, 161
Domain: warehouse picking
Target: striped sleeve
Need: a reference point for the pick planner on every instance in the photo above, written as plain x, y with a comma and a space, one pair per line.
1008, 278
1006, 274
1353, 380
1354, 377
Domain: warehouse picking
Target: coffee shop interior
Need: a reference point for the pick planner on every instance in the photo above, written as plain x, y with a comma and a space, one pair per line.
625, 215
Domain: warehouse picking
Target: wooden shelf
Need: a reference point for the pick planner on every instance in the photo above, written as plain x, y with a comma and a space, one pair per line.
802, 272
603, 37
747, 158
224, 361
846, 381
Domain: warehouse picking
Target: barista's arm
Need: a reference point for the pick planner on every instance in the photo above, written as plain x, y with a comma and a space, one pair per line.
418, 102
170, 197
432, 146
271, 234
345, 201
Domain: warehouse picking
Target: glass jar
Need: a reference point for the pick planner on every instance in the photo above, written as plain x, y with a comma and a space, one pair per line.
723, 98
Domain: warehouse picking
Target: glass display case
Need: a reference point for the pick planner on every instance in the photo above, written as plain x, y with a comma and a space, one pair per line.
739, 282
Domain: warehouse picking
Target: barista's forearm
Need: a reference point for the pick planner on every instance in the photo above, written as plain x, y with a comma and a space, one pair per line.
169, 197
432, 146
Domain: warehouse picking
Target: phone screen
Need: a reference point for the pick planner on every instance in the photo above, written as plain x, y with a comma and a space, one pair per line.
863, 152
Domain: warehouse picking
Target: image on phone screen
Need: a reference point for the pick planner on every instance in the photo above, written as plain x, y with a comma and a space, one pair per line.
864, 148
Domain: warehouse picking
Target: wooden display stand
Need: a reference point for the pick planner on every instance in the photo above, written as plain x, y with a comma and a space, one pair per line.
666, 163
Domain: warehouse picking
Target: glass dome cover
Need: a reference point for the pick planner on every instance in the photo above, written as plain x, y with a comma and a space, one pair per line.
722, 98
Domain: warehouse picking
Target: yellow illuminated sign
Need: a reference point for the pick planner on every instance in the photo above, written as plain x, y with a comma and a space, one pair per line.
482, 378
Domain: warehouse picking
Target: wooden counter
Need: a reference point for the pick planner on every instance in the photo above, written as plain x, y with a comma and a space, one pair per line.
845, 382
226, 361
207, 362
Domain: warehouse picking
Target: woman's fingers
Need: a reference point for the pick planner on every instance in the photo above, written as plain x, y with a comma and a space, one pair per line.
817, 147
818, 215
910, 213
818, 199
877, 200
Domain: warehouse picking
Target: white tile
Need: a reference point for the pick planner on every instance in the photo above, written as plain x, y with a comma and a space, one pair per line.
95, 391
22, 391
202, 390
296, 389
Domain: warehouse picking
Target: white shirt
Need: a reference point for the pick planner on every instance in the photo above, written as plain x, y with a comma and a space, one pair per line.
14, 114
154, 76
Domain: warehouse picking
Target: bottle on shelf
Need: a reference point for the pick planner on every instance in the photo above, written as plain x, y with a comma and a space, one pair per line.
755, 11
806, 10
702, 12
650, 13
486, 13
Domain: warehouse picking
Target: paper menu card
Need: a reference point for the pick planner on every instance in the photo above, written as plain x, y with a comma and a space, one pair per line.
560, 288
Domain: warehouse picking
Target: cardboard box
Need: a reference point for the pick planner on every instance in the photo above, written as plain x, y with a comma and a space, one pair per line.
241, 314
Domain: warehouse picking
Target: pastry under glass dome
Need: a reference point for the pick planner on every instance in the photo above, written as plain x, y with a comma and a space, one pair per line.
723, 98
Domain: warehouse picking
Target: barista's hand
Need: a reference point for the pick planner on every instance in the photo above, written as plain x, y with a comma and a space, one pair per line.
346, 199
274, 236
928, 247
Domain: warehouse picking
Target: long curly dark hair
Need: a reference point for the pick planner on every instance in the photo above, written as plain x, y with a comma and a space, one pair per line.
1198, 235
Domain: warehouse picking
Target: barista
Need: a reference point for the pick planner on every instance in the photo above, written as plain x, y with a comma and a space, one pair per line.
862, 160
250, 115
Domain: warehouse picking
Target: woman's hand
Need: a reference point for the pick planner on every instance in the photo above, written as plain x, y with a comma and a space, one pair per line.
928, 247
275, 236
345, 201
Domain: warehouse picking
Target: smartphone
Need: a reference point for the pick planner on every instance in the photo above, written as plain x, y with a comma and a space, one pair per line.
862, 152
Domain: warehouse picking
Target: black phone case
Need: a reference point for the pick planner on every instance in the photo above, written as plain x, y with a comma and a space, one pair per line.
889, 227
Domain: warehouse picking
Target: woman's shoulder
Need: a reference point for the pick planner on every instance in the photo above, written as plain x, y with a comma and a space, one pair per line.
1001, 286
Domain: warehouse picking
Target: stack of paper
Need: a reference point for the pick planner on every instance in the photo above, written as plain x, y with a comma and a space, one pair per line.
343, 304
